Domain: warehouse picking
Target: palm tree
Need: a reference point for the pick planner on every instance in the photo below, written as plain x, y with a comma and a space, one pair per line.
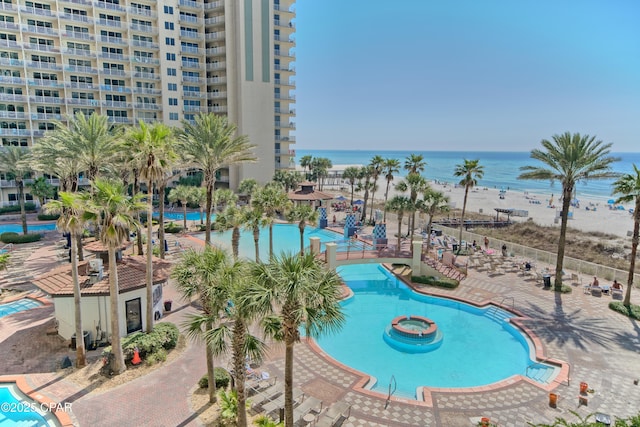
366, 172
390, 167
288, 179
271, 199
247, 187
416, 184
290, 293
320, 166
470, 171
628, 186
114, 211
569, 159
305, 163
14, 162
302, 214
377, 164
71, 207
53, 156
209, 144
433, 202
351, 174
254, 220
400, 205
42, 190
196, 274
414, 164
233, 217
184, 194
200, 198
151, 146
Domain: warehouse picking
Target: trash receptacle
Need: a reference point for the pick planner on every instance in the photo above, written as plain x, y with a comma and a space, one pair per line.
455, 247
86, 336
167, 305
547, 281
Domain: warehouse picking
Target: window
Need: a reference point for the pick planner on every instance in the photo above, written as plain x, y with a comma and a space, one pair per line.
78, 46
116, 98
47, 92
168, 10
116, 113
168, 26
170, 56
82, 95
134, 315
80, 62
114, 82
173, 87
171, 71
82, 79
170, 41
173, 116
173, 101
77, 12
40, 58
6, 18
76, 29
113, 67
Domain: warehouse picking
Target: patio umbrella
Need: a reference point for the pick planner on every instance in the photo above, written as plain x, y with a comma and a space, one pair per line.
611, 201
341, 198
358, 202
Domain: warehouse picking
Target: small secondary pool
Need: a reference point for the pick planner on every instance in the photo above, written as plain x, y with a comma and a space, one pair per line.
17, 409
16, 306
477, 345
286, 238
178, 216
17, 228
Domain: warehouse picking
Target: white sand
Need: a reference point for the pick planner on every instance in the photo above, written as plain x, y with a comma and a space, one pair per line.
616, 222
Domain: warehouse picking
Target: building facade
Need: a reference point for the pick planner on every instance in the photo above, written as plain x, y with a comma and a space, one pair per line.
153, 61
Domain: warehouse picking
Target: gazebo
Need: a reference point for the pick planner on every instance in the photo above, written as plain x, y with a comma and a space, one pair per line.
504, 211
308, 193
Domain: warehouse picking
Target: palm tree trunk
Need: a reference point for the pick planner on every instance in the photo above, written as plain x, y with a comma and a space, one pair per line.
207, 230
80, 250
184, 214
256, 239
161, 192
23, 213
149, 276
235, 242
239, 331
116, 346
634, 251
566, 203
399, 233
288, 382
301, 227
210, 375
429, 232
81, 358
271, 240
136, 190
386, 197
464, 208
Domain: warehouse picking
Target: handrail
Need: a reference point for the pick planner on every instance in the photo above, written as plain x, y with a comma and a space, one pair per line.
7, 248
513, 301
391, 392
543, 362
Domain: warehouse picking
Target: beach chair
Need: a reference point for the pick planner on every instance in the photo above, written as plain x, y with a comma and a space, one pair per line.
334, 414
278, 402
576, 279
617, 293
307, 405
265, 395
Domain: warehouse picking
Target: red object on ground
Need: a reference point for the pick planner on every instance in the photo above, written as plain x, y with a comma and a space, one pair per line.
136, 357
584, 387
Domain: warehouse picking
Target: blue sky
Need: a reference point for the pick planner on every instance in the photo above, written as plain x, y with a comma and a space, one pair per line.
466, 74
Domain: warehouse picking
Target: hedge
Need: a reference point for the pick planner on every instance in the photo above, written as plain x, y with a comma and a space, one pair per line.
172, 228
13, 237
632, 311
48, 217
152, 347
28, 207
444, 282
221, 375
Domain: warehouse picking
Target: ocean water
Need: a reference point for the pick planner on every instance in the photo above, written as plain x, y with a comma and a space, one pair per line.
501, 169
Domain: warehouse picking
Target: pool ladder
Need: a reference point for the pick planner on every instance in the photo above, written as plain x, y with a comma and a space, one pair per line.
394, 384
513, 302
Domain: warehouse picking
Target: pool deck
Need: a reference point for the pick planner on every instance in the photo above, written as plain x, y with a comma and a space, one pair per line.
600, 346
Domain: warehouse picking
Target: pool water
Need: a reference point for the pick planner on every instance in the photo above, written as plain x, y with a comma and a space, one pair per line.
17, 228
478, 346
178, 216
286, 238
16, 306
19, 410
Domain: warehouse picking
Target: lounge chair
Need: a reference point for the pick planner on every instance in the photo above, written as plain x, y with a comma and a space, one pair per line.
278, 403
265, 395
575, 279
309, 404
596, 291
616, 292
333, 415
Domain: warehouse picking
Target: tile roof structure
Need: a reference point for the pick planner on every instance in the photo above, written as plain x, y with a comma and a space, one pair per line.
307, 192
131, 276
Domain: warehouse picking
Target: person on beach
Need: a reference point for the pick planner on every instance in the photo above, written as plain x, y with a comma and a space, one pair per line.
486, 243
595, 282
616, 285
504, 249
474, 245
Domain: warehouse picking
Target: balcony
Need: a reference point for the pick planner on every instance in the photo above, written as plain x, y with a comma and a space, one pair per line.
285, 125
41, 47
287, 138
193, 108
217, 35
112, 88
10, 44
36, 11
7, 6
9, 25
110, 6
113, 40
190, 34
78, 35
283, 23
220, 65
216, 95
217, 109
12, 97
78, 52
15, 132
114, 56
124, 120
13, 114
146, 106
143, 28
142, 43
116, 104
82, 2
216, 20
216, 80
191, 4
147, 76
281, 67
75, 17
46, 100
192, 79
145, 60
11, 62
83, 70
46, 116
213, 5
45, 83
75, 85
12, 80
191, 50
142, 12
188, 19
109, 23
39, 30
282, 82
193, 94
191, 65
284, 96
114, 72
216, 51
83, 101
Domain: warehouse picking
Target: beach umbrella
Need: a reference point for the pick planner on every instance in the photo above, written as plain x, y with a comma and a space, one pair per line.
358, 202
611, 201
341, 198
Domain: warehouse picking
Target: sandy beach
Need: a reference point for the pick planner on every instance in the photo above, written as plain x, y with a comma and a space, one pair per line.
599, 216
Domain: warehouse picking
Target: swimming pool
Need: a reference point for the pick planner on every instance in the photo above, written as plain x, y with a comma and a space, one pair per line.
478, 346
286, 238
17, 228
16, 306
178, 216
17, 409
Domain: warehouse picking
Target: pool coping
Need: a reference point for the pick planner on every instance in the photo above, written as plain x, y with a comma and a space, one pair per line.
20, 381
425, 392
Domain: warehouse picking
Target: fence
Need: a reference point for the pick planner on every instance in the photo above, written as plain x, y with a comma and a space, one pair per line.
540, 257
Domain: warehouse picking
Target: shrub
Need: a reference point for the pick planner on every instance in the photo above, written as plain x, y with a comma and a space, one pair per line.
632, 311
443, 282
48, 217
28, 207
172, 228
158, 356
11, 237
153, 346
220, 374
